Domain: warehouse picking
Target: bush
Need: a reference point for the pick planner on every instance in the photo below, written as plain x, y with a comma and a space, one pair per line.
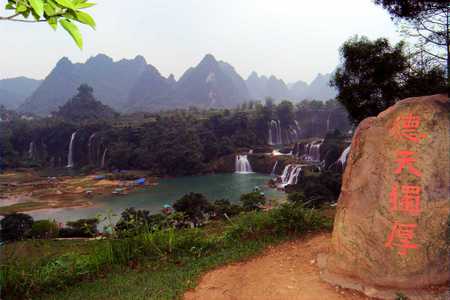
195, 206
296, 197
15, 226
44, 229
252, 201
80, 228
287, 219
223, 206
133, 221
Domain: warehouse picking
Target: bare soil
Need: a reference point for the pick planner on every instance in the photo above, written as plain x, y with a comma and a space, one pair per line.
287, 271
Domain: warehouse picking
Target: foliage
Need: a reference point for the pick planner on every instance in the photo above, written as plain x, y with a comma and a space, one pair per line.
80, 228
252, 201
64, 12
83, 107
44, 229
134, 221
21, 278
425, 21
195, 206
289, 218
15, 226
385, 78
296, 197
317, 189
224, 207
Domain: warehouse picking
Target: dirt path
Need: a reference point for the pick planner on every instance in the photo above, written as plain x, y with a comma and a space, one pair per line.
288, 271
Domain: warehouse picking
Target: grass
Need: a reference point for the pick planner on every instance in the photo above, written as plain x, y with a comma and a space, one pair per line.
150, 265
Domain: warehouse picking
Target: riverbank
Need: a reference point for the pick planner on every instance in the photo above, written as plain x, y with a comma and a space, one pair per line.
28, 190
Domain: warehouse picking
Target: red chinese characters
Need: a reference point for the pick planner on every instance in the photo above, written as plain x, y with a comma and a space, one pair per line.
408, 201
406, 126
405, 161
405, 198
401, 236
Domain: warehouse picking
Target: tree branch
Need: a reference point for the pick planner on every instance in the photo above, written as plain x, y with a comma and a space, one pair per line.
432, 54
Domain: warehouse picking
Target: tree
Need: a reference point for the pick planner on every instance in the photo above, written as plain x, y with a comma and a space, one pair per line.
252, 201
374, 75
64, 12
15, 226
194, 206
426, 20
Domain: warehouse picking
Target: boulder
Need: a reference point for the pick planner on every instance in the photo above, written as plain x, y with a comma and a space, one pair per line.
390, 230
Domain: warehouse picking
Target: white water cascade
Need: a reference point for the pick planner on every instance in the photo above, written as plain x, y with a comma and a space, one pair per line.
274, 168
90, 146
31, 150
275, 137
343, 158
242, 165
328, 123
104, 158
312, 151
70, 155
290, 175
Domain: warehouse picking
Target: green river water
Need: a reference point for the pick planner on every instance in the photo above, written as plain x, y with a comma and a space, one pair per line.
218, 186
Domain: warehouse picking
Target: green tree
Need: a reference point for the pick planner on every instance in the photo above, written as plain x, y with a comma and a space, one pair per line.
374, 75
15, 226
252, 201
63, 12
425, 20
194, 206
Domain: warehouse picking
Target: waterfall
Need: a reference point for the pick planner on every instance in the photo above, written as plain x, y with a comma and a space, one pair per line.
242, 165
274, 168
343, 158
70, 155
290, 175
312, 151
31, 150
104, 158
328, 123
275, 137
90, 146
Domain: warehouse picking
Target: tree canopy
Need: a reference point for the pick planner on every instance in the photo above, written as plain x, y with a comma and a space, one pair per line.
375, 74
63, 12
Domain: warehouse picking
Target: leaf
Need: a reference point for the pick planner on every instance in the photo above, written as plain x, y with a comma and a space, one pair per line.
85, 18
20, 8
53, 22
66, 3
72, 29
9, 6
49, 9
38, 6
84, 5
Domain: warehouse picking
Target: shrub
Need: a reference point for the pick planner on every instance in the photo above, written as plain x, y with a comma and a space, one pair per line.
296, 197
252, 201
15, 226
80, 228
44, 229
194, 206
133, 221
223, 206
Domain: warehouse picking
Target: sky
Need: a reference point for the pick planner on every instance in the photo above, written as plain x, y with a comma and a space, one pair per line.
291, 39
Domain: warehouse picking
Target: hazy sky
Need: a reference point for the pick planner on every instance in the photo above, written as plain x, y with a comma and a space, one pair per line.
292, 39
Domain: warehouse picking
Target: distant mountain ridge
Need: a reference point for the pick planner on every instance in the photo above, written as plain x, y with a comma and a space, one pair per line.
14, 91
130, 85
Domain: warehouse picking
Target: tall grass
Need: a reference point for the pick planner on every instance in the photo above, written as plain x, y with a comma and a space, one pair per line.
23, 279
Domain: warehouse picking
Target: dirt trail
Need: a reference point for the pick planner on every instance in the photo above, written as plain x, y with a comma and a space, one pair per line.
284, 272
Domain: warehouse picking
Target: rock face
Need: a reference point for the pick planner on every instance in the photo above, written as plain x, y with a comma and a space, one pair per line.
392, 216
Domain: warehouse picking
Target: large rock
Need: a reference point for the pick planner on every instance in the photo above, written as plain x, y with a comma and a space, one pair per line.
380, 245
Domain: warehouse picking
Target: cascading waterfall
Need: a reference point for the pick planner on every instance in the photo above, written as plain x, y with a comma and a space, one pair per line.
328, 123
312, 151
275, 137
242, 165
91, 137
70, 155
343, 158
290, 175
31, 150
104, 158
274, 168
